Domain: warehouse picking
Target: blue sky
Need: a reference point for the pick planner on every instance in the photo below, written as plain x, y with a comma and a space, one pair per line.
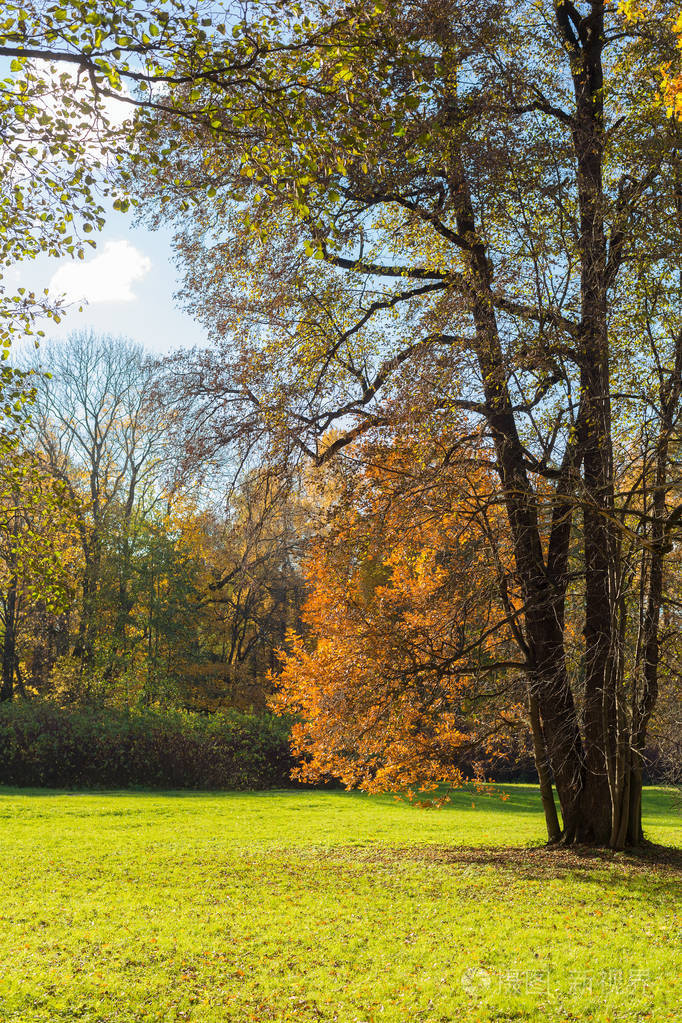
128, 284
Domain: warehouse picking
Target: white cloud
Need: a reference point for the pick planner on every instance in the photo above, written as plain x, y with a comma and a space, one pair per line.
108, 277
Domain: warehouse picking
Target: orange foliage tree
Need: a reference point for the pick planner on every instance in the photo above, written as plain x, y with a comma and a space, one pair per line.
408, 669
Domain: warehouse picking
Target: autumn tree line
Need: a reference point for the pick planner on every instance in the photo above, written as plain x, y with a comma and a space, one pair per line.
121, 582
436, 250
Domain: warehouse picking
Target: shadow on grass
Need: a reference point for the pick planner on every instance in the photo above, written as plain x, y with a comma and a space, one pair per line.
661, 864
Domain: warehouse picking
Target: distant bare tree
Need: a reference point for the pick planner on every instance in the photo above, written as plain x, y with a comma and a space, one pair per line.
100, 434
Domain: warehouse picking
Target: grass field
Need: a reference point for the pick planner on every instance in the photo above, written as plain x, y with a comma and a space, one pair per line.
326, 906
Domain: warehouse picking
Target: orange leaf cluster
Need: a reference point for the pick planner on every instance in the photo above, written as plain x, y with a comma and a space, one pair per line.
397, 682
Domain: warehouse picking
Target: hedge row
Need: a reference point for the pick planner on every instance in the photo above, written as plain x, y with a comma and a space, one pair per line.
43, 745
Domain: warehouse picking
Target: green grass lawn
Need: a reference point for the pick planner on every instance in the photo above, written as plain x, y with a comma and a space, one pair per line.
326, 906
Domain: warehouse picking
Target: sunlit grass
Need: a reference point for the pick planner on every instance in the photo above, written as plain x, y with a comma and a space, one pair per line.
327, 906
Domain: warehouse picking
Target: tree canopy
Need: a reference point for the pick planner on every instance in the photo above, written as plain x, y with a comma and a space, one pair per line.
470, 207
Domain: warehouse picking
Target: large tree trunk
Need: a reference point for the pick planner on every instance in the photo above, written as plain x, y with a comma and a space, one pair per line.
597, 779
604, 804
583, 796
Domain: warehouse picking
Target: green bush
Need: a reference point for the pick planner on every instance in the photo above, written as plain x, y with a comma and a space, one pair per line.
44, 745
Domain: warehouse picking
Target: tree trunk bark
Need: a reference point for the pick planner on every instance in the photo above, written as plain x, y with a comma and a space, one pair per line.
585, 806
84, 648
599, 806
544, 773
9, 642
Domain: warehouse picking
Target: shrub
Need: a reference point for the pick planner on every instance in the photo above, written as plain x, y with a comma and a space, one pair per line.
44, 745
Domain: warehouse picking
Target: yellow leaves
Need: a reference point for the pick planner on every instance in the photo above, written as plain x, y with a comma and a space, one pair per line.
633, 10
672, 94
671, 79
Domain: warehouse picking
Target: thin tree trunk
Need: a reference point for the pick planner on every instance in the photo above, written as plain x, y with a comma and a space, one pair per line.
87, 629
544, 772
9, 642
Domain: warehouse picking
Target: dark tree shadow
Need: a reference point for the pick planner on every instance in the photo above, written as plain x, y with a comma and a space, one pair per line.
634, 868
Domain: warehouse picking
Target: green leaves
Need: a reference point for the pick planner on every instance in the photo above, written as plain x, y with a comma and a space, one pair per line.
313, 249
60, 131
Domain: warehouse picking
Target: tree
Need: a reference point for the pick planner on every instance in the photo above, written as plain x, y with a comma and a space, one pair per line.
408, 672
95, 426
37, 538
253, 588
476, 196
149, 603
172, 598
